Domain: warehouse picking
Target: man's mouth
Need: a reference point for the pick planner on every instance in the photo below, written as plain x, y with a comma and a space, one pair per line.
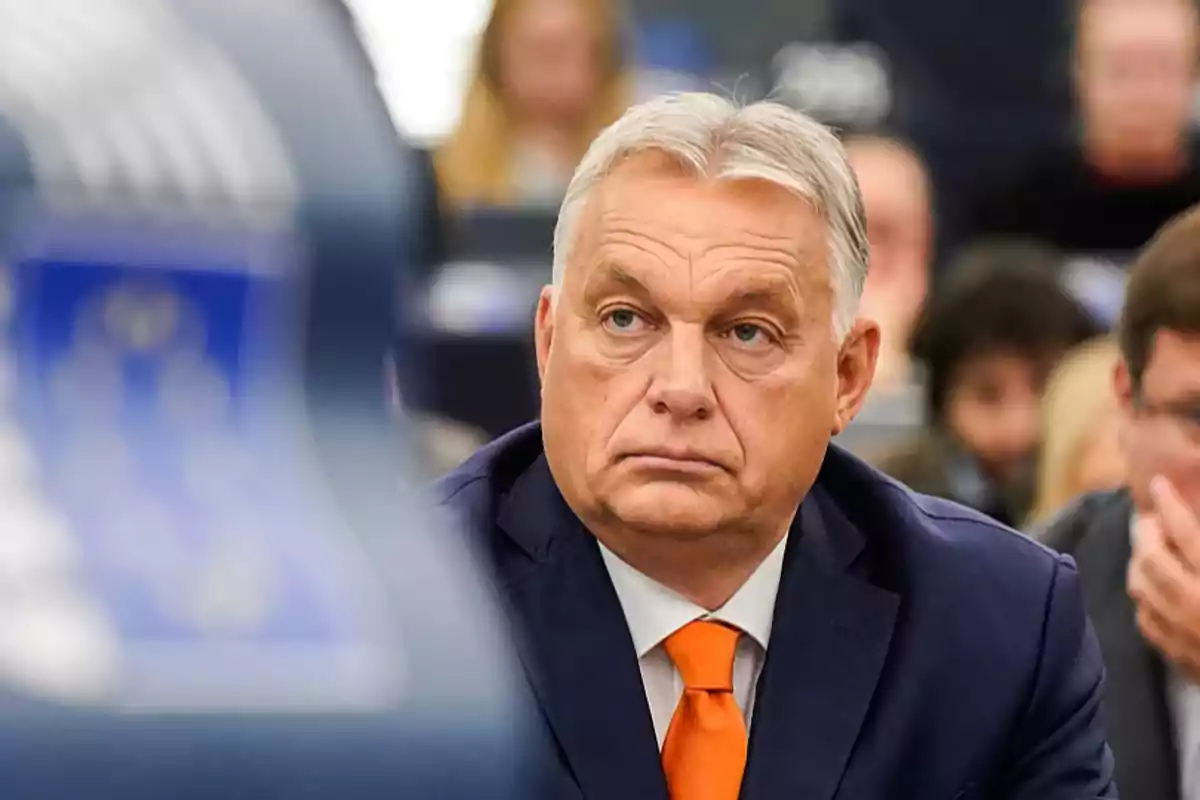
670, 460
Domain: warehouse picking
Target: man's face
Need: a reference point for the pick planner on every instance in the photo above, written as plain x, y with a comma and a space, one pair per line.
1161, 422
1136, 71
690, 376
899, 227
550, 61
994, 409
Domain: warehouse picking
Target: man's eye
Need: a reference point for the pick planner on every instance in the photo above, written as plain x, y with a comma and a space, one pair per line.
623, 320
749, 334
988, 394
1191, 416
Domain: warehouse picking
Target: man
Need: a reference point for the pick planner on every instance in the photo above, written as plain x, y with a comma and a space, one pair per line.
897, 197
704, 598
1135, 164
987, 342
1138, 550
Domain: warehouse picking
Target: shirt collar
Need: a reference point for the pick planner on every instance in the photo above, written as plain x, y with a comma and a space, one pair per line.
653, 612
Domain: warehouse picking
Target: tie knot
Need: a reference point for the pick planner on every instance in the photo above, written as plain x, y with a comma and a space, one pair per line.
703, 653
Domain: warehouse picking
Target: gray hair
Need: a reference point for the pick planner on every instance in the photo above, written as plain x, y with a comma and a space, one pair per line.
715, 137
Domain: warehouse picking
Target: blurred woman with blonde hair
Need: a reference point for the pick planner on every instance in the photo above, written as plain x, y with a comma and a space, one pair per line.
1080, 442
548, 78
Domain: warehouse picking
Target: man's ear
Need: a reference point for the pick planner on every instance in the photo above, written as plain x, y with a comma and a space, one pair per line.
543, 329
856, 370
1123, 386
1122, 383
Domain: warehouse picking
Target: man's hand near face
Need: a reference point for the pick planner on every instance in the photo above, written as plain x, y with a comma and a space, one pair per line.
1164, 578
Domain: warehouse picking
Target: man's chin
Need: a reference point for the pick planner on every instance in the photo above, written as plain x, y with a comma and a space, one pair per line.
671, 508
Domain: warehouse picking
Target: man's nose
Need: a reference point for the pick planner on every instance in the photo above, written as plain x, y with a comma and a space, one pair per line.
1018, 425
682, 385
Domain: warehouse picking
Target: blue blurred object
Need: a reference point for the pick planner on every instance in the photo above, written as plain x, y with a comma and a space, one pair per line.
1098, 282
672, 44
671, 56
157, 390
216, 580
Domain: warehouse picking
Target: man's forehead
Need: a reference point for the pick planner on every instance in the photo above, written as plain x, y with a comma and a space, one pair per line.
1174, 362
1176, 349
746, 281
887, 169
689, 215
1122, 23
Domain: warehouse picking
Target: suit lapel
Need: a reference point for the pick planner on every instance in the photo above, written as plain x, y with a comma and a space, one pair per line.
1136, 710
828, 645
577, 648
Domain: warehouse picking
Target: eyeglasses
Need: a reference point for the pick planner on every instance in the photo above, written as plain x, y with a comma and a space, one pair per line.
1184, 413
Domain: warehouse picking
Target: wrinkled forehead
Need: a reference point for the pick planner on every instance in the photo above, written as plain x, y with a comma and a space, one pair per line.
653, 212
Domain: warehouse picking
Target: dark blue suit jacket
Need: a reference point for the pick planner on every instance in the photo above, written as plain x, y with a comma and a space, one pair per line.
919, 650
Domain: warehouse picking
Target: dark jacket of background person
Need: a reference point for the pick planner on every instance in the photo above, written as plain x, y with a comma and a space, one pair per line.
987, 340
933, 463
1064, 201
1136, 549
1095, 531
896, 613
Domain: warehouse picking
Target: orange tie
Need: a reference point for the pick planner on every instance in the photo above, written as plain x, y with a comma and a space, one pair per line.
704, 754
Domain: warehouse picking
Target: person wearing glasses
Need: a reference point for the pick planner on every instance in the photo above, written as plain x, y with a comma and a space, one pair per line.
1138, 548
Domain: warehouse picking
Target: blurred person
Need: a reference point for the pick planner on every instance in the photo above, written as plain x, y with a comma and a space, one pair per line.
1134, 164
684, 556
548, 78
897, 198
1080, 449
1138, 548
987, 342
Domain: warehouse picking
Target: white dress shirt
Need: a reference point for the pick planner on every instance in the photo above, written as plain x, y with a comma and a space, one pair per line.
1184, 699
653, 612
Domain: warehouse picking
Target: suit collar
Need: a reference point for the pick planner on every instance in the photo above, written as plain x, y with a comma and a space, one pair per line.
830, 640
533, 511
577, 647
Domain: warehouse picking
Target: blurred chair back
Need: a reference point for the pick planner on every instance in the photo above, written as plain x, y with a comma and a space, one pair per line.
480, 312
215, 580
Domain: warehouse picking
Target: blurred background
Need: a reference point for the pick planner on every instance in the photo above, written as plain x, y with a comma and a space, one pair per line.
267, 267
1013, 158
